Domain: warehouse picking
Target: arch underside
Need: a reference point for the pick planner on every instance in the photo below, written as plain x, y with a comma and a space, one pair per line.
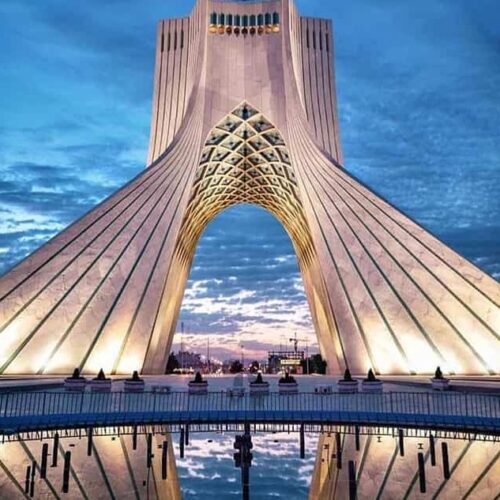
245, 160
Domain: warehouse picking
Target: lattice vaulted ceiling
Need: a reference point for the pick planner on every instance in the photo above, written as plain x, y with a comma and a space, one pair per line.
245, 160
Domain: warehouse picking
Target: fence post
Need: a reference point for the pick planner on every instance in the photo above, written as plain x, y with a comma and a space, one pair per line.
66, 471
352, 481
43, 467
6, 404
44, 401
421, 472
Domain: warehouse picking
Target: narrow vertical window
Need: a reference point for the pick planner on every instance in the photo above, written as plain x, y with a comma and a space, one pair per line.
260, 19
175, 40
327, 42
162, 41
307, 37
268, 18
320, 37
253, 20
230, 19
168, 42
314, 39
182, 39
237, 20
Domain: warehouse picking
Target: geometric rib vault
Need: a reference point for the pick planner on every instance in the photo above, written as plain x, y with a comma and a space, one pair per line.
244, 110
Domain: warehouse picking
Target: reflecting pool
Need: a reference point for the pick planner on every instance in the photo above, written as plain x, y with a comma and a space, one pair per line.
232, 462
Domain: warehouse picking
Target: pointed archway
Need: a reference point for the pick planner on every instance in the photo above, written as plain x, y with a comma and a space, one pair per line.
244, 160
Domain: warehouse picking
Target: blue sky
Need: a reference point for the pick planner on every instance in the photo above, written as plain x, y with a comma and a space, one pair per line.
417, 84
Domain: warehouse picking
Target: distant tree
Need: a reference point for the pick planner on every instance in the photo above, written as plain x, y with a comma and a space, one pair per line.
254, 367
287, 379
101, 375
316, 364
172, 363
236, 367
76, 374
371, 376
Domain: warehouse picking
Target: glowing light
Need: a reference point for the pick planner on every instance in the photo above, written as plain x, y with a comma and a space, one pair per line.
129, 363
104, 356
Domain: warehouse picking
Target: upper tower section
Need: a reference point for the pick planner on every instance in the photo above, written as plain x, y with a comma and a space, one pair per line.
262, 52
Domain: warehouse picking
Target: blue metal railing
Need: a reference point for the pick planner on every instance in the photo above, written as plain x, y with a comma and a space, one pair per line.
37, 410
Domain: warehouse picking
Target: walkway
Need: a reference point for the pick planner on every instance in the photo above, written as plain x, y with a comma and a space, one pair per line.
22, 411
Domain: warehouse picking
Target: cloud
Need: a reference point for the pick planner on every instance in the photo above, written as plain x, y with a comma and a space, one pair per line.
277, 470
245, 287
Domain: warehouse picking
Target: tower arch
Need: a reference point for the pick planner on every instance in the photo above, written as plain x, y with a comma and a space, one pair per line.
245, 160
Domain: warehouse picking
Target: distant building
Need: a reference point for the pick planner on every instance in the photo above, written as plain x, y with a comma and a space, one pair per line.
285, 361
189, 360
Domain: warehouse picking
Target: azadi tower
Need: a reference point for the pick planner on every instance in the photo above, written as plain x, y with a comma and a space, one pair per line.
244, 111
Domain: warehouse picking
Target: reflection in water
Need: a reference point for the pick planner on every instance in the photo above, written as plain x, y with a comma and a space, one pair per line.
371, 464
276, 472
114, 468
387, 467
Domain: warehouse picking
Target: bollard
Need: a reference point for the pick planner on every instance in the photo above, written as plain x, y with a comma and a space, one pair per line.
432, 449
421, 472
338, 441
90, 434
32, 482
27, 480
164, 460
43, 467
134, 438
243, 459
55, 449
187, 435
446, 460
356, 437
245, 483
401, 443
352, 480
181, 444
149, 450
67, 466
302, 442
339, 450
